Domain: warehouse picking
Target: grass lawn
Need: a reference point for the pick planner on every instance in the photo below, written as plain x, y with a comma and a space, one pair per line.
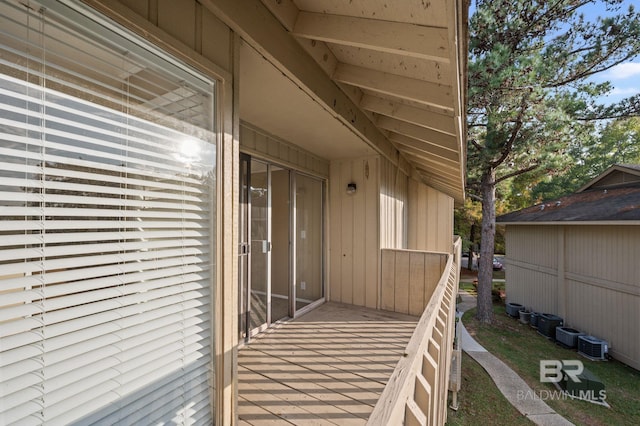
521, 347
480, 401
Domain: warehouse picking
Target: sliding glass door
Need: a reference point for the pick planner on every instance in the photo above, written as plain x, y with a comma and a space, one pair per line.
281, 244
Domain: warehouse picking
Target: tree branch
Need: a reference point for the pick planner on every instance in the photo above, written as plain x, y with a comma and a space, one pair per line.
517, 173
476, 145
514, 133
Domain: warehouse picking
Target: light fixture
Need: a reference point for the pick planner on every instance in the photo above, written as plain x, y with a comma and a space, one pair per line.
351, 188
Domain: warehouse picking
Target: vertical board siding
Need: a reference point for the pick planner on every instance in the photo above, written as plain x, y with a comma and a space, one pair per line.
599, 276
417, 276
534, 289
610, 252
359, 228
535, 245
335, 234
260, 144
430, 218
347, 213
604, 292
354, 230
401, 281
178, 19
393, 202
372, 234
409, 279
189, 23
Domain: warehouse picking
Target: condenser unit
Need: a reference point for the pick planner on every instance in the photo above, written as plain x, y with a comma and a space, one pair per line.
593, 348
513, 309
547, 324
568, 336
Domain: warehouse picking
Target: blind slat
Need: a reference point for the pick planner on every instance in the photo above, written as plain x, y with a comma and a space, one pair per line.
70, 341
85, 249
99, 168
188, 254
121, 179
107, 203
75, 237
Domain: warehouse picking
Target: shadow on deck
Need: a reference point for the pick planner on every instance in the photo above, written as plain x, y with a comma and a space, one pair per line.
327, 367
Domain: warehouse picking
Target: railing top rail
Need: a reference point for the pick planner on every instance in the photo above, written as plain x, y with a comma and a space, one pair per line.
398, 388
441, 253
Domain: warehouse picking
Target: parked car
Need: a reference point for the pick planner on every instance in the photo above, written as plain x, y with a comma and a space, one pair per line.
497, 266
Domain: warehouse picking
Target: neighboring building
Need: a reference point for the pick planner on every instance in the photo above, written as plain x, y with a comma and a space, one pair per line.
176, 176
577, 257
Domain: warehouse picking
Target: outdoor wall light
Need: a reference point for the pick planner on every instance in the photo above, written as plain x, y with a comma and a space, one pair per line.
351, 188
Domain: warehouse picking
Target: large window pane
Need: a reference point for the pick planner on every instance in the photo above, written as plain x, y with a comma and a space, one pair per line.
107, 213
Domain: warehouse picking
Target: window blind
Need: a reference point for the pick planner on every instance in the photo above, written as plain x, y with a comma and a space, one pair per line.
107, 208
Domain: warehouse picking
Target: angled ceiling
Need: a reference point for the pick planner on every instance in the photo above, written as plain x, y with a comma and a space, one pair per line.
393, 71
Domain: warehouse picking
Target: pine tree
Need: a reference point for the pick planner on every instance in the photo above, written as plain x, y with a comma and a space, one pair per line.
530, 97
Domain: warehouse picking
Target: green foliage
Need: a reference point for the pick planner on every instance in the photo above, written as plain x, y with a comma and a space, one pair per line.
466, 219
528, 94
530, 102
617, 143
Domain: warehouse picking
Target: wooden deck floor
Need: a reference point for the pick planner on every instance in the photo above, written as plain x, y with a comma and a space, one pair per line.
327, 367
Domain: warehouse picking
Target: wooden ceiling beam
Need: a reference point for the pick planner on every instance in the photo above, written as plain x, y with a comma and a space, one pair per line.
420, 91
403, 142
258, 26
417, 132
418, 116
421, 158
385, 36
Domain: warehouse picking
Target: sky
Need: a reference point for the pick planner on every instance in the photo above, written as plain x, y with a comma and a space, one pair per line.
625, 78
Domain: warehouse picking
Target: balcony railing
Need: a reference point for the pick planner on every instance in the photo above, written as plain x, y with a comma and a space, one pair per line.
417, 392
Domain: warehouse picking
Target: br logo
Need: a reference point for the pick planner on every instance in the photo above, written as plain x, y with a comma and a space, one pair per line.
553, 370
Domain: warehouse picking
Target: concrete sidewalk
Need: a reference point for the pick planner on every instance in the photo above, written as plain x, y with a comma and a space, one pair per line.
516, 390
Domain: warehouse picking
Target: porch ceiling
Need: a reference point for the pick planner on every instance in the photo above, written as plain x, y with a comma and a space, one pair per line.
395, 71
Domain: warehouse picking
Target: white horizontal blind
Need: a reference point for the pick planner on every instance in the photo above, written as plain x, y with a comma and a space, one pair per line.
107, 204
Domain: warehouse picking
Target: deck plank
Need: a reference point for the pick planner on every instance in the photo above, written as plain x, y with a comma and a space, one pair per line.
326, 367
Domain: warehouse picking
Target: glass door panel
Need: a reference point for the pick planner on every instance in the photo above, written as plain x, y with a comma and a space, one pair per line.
243, 249
280, 253
309, 237
260, 246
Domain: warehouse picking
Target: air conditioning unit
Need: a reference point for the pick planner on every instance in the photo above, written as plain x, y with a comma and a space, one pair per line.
568, 337
547, 324
533, 321
593, 348
513, 309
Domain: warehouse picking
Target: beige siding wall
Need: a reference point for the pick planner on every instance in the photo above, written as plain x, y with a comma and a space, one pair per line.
603, 286
413, 215
187, 22
610, 252
430, 219
533, 246
532, 287
586, 274
393, 206
409, 279
531, 274
262, 145
353, 232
